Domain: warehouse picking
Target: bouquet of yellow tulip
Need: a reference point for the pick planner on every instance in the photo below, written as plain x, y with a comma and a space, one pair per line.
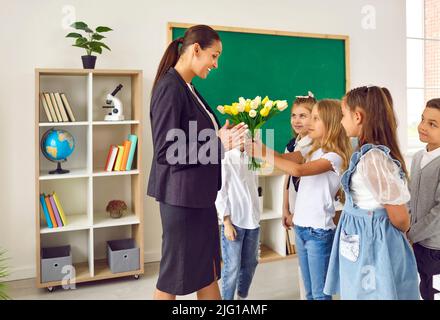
254, 113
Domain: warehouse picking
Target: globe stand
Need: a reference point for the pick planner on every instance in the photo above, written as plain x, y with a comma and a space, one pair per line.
59, 170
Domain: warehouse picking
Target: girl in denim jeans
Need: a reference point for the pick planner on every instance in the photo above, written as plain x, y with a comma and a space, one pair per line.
320, 182
238, 208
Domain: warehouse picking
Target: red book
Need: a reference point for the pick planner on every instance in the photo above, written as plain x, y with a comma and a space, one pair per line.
111, 157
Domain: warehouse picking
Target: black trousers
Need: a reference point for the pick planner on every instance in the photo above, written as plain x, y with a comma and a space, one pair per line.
428, 265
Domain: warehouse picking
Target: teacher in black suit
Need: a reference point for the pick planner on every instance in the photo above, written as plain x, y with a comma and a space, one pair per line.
186, 170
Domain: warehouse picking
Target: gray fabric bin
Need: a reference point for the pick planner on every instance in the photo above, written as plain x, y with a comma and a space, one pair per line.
52, 262
122, 255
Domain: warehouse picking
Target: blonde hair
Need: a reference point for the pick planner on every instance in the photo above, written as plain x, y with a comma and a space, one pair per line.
335, 140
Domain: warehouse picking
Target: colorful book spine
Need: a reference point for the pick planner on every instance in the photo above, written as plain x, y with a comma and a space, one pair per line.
133, 139
51, 214
119, 158
127, 145
55, 211
111, 158
60, 209
45, 211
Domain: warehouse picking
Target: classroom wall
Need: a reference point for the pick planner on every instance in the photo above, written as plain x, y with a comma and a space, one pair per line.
32, 36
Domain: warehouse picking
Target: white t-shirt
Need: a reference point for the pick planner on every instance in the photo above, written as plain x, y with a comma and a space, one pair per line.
376, 181
428, 156
302, 146
315, 201
238, 196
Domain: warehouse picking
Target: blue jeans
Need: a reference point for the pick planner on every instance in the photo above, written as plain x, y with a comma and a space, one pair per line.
240, 259
314, 248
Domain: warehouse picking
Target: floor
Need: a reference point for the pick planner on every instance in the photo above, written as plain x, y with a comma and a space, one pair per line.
273, 280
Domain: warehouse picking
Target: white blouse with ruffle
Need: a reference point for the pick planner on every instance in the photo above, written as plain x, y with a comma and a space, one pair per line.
377, 182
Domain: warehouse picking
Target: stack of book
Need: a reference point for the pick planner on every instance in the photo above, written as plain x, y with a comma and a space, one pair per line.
120, 157
53, 211
56, 107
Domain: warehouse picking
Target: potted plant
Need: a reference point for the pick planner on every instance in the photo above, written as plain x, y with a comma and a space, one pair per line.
3, 273
91, 42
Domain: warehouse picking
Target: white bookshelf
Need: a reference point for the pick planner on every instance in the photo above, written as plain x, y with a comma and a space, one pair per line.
87, 188
273, 234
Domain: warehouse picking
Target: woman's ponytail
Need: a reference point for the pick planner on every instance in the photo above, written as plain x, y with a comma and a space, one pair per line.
169, 59
201, 34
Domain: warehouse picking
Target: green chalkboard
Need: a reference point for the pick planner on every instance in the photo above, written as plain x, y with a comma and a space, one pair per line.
280, 66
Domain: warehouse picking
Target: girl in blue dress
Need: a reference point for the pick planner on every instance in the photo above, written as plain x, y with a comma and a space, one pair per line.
371, 257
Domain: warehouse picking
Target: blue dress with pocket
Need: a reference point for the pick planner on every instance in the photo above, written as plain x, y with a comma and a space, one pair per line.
370, 258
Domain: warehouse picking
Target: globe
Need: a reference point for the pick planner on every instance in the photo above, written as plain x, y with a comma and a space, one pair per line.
57, 145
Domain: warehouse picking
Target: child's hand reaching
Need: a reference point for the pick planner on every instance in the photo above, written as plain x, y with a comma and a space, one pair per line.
255, 148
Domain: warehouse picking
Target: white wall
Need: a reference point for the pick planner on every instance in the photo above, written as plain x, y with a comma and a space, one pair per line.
32, 36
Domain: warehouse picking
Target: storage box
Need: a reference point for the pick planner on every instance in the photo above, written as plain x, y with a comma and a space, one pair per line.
52, 262
122, 255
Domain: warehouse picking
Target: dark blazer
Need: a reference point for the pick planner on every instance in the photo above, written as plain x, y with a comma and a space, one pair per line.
190, 182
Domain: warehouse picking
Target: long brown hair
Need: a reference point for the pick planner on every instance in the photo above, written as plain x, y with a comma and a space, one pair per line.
380, 124
335, 139
201, 34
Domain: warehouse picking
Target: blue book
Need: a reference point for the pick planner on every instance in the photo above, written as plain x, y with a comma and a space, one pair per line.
46, 212
133, 138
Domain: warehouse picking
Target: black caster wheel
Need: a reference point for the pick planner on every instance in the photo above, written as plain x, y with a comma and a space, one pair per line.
50, 289
136, 276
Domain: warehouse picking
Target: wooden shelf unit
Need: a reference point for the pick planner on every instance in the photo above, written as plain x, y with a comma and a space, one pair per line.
80, 191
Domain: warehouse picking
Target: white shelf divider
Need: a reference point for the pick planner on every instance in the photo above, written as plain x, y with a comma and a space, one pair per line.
269, 214
74, 173
91, 253
75, 222
103, 220
112, 123
63, 124
103, 173
91, 242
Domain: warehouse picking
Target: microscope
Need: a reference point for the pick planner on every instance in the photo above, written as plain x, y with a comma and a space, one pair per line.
117, 112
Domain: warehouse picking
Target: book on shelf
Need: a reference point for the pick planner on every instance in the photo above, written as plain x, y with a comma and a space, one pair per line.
55, 211
60, 208
127, 145
45, 211
46, 107
133, 139
55, 106
52, 210
119, 158
51, 107
51, 213
290, 242
61, 107
68, 108
111, 158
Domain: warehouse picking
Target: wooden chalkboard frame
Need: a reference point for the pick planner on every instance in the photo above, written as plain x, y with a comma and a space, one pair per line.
345, 38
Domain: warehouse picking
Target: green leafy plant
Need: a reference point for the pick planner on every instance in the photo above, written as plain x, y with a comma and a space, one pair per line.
91, 40
3, 273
